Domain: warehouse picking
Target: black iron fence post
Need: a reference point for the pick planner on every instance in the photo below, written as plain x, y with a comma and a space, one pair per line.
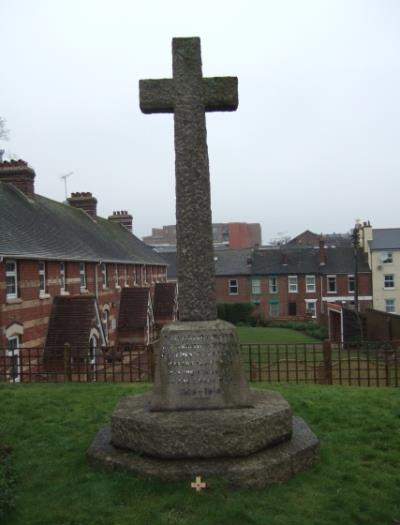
327, 352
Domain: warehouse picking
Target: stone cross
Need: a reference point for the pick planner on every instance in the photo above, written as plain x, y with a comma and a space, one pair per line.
188, 95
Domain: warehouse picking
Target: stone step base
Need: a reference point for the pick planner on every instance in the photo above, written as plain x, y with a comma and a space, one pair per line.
275, 464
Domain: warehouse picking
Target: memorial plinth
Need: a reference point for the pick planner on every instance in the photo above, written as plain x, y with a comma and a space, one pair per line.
201, 418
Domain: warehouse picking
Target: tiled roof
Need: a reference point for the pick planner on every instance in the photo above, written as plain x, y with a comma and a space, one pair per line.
170, 259
307, 260
233, 262
133, 308
36, 227
71, 320
385, 239
164, 300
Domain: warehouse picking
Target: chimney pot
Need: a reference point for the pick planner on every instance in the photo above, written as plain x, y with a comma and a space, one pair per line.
19, 174
84, 201
123, 218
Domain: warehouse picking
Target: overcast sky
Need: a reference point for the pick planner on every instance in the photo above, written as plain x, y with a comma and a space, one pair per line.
314, 144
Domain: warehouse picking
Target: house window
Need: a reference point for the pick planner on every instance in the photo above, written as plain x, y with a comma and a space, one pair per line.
274, 309
104, 275
390, 306
82, 275
233, 287
352, 283
310, 283
62, 277
388, 281
11, 279
273, 284
125, 276
311, 308
42, 277
13, 358
387, 257
255, 286
331, 283
116, 276
292, 284
292, 309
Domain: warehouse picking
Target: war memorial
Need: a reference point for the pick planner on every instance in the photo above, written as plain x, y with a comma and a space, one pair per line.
201, 419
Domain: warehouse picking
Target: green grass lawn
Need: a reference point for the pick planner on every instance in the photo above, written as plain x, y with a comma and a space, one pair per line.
248, 334
50, 427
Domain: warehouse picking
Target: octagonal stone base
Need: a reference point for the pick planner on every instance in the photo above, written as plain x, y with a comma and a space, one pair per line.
202, 434
274, 464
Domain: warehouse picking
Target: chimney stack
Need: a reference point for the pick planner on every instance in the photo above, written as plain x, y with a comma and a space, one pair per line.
123, 218
322, 254
19, 174
84, 201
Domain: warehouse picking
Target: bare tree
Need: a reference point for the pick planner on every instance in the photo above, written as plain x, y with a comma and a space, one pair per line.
3, 129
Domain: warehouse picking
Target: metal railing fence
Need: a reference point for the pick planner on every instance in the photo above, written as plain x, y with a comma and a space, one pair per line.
357, 364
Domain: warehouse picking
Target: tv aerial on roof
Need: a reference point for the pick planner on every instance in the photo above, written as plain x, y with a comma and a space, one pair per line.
64, 178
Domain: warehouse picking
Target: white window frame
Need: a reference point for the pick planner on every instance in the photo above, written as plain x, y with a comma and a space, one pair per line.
256, 286
14, 353
311, 287
293, 284
334, 280
387, 257
386, 281
13, 275
125, 276
82, 275
42, 278
61, 278
392, 308
351, 278
116, 277
312, 302
233, 284
104, 275
273, 284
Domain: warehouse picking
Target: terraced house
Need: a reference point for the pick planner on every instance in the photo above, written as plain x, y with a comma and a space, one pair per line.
292, 282
64, 269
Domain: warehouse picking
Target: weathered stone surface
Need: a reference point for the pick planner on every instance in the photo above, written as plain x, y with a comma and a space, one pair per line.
188, 95
197, 366
272, 465
201, 434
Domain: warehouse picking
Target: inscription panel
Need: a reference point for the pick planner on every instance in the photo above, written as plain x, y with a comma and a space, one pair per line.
198, 368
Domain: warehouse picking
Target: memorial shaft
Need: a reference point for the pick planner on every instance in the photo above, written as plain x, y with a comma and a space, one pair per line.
188, 95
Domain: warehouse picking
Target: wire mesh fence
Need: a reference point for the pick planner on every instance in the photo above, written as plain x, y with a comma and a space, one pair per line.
357, 364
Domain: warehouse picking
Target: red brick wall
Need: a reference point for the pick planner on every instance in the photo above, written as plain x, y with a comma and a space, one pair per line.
222, 290
33, 311
285, 297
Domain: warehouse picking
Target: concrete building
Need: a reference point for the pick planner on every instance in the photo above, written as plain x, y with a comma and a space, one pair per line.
234, 235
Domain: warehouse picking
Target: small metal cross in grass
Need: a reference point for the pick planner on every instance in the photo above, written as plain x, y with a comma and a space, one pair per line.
198, 484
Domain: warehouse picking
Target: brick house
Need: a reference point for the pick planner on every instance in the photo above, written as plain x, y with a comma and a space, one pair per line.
291, 282
50, 250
